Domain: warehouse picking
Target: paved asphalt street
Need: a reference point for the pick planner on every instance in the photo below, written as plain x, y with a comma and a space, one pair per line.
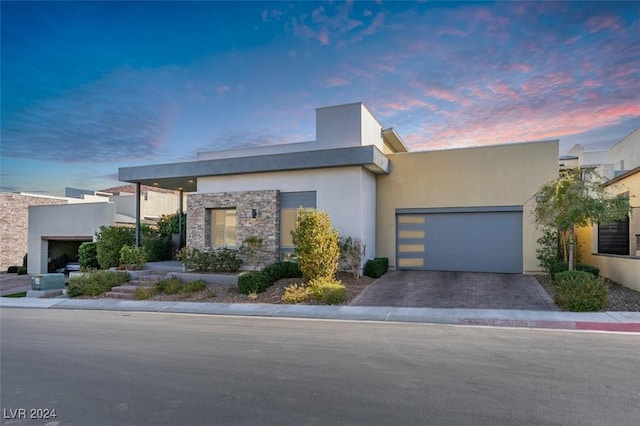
129, 368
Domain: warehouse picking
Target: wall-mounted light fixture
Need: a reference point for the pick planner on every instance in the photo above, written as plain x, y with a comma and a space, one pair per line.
254, 213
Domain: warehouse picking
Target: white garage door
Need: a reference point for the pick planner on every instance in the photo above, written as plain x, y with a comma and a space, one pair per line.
465, 239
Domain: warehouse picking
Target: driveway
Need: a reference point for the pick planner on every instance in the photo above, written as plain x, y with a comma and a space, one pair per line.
14, 283
470, 290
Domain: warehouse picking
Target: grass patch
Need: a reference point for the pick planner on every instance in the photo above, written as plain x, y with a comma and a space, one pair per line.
20, 294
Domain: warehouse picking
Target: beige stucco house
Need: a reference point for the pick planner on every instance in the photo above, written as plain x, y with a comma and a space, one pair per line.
459, 210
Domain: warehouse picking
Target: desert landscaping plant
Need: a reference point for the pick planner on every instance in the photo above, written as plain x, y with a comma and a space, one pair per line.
251, 249
579, 291
88, 256
95, 283
577, 198
133, 258
351, 253
317, 244
375, 268
110, 240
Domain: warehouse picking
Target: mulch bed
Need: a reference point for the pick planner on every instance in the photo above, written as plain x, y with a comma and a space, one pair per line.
273, 295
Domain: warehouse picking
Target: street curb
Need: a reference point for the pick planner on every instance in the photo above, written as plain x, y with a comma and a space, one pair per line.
594, 321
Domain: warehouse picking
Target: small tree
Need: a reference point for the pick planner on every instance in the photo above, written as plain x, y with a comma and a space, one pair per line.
577, 198
351, 253
251, 248
317, 244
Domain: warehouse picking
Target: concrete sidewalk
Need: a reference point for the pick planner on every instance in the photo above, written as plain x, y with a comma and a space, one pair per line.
597, 321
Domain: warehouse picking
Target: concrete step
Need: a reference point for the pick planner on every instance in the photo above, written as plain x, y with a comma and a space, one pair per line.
117, 295
125, 288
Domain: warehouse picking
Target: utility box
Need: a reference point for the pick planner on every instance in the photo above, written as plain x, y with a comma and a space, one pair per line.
47, 282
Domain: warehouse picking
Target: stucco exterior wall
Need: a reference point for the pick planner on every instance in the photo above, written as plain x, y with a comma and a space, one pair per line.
346, 193
626, 153
152, 204
14, 224
347, 125
63, 222
504, 175
624, 270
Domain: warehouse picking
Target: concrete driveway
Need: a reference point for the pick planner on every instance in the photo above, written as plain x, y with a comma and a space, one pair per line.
470, 290
14, 283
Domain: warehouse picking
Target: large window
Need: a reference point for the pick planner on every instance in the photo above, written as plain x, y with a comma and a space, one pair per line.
613, 238
287, 225
290, 203
223, 227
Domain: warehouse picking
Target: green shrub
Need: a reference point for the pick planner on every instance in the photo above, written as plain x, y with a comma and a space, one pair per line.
169, 224
328, 291
88, 256
296, 293
549, 250
593, 270
579, 291
375, 268
13, 269
557, 268
110, 240
253, 282
133, 258
351, 252
317, 244
22, 270
220, 260
142, 293
279, 270
226, 260
94, 283
157, 247
175, 285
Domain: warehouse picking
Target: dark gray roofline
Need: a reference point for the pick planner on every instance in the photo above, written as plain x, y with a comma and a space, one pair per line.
177, 175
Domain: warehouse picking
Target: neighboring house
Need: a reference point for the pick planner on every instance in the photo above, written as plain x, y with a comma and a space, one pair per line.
14, 224
55, 232
620, 158
615, 248
457, 210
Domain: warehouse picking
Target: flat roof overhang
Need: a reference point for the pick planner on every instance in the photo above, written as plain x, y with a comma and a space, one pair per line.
184, 176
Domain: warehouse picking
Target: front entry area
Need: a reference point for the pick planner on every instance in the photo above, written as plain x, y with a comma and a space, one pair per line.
461, 239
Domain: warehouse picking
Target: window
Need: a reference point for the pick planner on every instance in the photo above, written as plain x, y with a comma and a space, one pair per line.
613, 238
287, 225
223, 227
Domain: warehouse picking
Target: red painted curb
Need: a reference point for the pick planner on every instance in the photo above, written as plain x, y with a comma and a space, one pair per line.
609, 326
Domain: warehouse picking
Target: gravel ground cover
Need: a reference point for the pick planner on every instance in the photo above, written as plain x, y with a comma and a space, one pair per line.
620, 298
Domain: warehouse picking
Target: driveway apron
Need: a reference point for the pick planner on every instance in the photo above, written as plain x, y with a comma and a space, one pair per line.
466, 290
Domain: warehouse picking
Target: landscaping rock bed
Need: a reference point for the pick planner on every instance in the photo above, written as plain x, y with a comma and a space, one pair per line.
621, 299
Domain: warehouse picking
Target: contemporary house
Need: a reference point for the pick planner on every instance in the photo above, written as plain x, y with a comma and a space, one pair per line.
456, 210
615, 247
53, 228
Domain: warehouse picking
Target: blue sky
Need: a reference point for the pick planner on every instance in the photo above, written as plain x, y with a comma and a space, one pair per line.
88, 87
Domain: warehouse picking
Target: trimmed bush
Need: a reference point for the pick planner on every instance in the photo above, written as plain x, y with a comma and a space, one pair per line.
133, 258
13, 269
226, 260
88, 256
593, 270
253, 282
280, 270
557, 268
157, 247
220, 260
296, 293
175, 285
317, 244
375, 268
579, 291
110, 240
328, 291
95, 283
22, 270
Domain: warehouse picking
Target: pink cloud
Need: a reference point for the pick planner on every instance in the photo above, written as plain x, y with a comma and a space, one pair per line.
441, 94
323, 38
608, 22
222, 88
336, 81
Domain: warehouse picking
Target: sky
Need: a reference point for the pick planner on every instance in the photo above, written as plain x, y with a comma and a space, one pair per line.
88, 87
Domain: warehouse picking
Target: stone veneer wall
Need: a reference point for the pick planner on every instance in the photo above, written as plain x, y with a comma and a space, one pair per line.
265, 226
14, 225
